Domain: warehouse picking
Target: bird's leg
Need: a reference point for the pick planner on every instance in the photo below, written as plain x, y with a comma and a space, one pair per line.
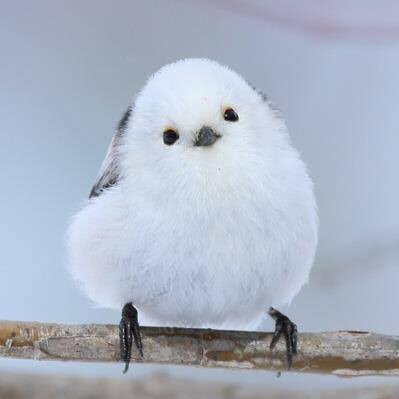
284, 326
129, 329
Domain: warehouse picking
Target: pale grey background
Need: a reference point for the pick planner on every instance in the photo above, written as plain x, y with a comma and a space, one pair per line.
67, 72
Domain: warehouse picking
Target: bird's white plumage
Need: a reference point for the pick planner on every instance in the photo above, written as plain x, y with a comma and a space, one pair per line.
199, 236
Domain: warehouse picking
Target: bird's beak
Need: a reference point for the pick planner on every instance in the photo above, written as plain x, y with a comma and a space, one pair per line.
206, 137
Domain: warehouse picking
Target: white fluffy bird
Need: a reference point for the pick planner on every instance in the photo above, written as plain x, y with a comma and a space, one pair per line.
203, 213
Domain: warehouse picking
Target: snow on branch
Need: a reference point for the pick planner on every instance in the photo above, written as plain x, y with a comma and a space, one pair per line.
348, 353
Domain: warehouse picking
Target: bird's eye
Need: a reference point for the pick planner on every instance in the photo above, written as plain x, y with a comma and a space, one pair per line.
230, 115
170, 136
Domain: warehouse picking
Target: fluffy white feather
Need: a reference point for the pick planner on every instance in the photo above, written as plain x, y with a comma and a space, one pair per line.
199, 236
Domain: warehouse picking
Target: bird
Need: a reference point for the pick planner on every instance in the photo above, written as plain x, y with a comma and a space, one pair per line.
203, 213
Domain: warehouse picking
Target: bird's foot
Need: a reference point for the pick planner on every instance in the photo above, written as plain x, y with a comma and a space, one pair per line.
129, 329
284, 326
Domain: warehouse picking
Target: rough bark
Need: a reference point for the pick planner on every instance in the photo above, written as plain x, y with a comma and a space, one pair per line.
348, 353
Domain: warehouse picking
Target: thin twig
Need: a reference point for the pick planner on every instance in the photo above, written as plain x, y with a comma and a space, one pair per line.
349, 353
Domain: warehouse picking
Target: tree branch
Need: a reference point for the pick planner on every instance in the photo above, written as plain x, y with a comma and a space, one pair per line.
349, 353
161, 386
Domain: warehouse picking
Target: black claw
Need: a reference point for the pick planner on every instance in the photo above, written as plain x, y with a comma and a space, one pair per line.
294, 339
129, 329
284, 326
125, 342
277, 334
137, 338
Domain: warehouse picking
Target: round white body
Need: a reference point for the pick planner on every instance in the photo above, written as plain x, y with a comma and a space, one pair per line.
202, 237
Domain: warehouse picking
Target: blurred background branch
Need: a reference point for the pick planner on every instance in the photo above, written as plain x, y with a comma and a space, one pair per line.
327, 19
345, 353
356, 260
160, 386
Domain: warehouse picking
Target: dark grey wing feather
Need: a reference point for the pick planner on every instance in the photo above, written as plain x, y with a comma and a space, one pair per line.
276, 111
109, 174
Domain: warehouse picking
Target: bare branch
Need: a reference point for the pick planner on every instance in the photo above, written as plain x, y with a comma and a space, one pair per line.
349, 353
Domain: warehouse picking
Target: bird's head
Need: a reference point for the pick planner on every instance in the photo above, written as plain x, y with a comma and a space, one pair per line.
196, 117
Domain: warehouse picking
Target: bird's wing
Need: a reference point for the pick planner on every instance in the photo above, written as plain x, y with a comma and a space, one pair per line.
109, 174
277, 112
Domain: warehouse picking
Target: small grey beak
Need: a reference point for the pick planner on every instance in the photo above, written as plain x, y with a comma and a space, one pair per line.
206, 137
